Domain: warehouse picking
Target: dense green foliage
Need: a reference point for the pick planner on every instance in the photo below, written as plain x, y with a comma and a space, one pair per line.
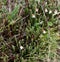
29, 33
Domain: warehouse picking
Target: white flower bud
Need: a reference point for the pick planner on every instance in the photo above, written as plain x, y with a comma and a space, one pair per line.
44, 32
50, 12
36, 9
46, 3
21, 47
46, 10
33, 16
55, 12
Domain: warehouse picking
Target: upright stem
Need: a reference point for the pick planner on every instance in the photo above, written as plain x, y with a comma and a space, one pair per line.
9, 5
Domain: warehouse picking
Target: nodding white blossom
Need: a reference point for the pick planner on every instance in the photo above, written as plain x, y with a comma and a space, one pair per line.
46, 10
36, 9
33, 16
44, 32
21, 47
50, 12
